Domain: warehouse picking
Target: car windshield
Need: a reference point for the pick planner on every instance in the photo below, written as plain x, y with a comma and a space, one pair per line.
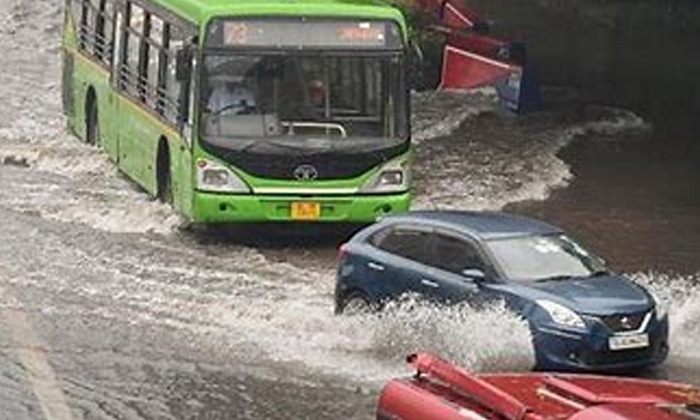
307, 101
544, 257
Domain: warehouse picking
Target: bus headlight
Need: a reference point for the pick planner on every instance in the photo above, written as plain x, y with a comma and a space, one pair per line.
214, 177
392, 177
388, 178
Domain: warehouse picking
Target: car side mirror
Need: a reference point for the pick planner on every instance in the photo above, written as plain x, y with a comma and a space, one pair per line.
474, 274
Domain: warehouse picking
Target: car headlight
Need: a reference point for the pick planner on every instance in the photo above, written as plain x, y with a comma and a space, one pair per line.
392, 177
562, 315
212, 176
660, 307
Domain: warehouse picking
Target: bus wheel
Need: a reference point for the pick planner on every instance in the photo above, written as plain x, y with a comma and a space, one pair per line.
92, 123
163, 176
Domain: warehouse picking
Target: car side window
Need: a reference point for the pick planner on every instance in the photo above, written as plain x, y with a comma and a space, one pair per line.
404, 242
455, 255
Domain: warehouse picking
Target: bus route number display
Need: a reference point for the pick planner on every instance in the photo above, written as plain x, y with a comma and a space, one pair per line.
236, 33
304, 34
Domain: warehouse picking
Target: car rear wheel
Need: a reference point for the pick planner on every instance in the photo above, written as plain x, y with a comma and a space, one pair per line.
357, 303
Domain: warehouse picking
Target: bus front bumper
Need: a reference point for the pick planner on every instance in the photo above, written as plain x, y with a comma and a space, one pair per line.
227, 208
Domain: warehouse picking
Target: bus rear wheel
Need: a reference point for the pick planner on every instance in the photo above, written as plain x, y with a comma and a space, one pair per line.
164, 179
92, 123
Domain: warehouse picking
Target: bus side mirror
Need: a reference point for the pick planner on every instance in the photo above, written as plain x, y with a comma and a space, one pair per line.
183, 64
414, 59
415, 52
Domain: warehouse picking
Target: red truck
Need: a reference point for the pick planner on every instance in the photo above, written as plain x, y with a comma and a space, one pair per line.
442, 391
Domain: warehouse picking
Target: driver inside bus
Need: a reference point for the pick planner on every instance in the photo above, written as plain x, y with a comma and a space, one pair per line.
232, 98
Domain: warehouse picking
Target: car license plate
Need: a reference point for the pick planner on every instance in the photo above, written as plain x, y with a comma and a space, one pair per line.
626, 342
306, 210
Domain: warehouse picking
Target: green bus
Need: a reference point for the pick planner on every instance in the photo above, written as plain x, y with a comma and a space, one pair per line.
246, 110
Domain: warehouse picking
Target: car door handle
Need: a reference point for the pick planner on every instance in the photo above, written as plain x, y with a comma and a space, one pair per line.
429, 283
375, 266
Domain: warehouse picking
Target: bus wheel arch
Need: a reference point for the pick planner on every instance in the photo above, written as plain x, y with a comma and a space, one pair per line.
92, 121
164, 183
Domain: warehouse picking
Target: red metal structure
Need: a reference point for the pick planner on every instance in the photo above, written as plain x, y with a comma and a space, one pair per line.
472, 58
441, 391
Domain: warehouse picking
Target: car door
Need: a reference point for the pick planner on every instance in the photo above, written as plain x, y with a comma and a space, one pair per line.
401, 259
451, 256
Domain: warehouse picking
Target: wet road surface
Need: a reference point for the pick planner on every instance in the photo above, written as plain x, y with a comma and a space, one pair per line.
110, 308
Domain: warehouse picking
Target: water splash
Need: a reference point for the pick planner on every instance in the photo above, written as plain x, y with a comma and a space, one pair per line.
490, 338
679, 296
439, 114
494, 160
371, 347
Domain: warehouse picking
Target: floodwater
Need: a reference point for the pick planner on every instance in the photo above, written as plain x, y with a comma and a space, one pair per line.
111, 308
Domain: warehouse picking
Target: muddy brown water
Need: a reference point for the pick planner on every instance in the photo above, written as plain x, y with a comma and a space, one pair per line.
635, 201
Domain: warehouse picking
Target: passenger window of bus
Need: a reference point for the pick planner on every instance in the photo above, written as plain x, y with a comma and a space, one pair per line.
131, 76
153, 72
104, 31
132, 62
137, 17
78, 12
175, 41
155, 52
155, 33
85, 24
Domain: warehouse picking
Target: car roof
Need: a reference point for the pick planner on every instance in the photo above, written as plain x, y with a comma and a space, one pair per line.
482, 225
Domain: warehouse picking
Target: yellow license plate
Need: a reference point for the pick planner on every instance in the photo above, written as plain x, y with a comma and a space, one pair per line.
306, 210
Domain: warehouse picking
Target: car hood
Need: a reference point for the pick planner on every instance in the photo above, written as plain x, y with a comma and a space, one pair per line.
602, 295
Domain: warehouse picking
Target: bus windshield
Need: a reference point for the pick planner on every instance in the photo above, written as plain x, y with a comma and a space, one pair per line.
303, 100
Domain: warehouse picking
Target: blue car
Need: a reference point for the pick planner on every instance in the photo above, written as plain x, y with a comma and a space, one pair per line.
582, 316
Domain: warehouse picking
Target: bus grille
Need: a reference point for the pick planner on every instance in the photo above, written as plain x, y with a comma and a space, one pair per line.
326, 165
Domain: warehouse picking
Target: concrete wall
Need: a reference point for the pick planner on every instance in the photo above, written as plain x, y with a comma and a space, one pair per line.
640, 54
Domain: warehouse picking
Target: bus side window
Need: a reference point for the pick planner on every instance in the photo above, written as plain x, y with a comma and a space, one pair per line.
77, 12
85, 13
154, 62
104, 32
85, 26
131, 76
148, 62
95, 27
175, 41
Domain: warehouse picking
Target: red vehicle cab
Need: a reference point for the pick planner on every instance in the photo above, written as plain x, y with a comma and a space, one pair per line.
441, 391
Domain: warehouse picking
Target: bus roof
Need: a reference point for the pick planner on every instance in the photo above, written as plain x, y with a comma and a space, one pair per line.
201, 11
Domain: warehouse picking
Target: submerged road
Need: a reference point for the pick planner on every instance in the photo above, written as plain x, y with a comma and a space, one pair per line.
111, 309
